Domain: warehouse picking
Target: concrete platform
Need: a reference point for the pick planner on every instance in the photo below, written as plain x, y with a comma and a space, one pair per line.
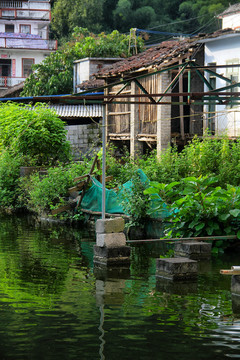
194, 250
178, 268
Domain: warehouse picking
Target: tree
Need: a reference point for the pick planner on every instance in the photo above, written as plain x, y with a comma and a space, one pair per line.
67, 14
55, 74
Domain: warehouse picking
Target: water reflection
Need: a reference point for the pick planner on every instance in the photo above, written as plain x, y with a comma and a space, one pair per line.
55, 304
110, 285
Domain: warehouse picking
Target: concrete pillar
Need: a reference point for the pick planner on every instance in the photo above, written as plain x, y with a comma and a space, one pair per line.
110, 248
163, 116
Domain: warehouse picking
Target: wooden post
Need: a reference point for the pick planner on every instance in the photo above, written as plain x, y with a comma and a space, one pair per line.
181, 110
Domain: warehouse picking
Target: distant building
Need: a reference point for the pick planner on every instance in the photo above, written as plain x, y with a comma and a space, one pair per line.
231, 17
24, 38
84, 69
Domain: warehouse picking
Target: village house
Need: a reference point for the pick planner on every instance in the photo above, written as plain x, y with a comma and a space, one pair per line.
150, 97
149, 118
222, 54
24, 38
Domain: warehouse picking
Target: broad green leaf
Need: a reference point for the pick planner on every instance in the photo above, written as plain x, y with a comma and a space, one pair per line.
224, 217
200, 226
235, 212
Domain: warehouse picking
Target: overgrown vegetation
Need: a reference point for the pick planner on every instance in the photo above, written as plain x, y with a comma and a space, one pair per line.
199, 187
43, 194
198, 207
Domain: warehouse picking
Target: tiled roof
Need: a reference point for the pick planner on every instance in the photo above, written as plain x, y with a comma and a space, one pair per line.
91, 84
230, 10
77, 111
151, 57
160, 55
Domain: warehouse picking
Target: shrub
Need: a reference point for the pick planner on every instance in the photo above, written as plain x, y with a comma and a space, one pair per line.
44, 194
9, 179
35, 133
198, 207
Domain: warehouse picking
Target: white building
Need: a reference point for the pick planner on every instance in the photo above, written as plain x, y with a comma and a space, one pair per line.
24, 38
224, 50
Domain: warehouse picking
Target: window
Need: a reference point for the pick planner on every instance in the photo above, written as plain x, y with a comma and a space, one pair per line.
233, 74
25, 29
9, 28
26, 67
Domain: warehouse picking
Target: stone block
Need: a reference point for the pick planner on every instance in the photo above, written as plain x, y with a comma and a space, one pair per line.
235, 285
112, 256
105, 226
179, 268
194, 250
111, 240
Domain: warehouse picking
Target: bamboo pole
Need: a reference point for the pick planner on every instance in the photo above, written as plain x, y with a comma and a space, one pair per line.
200, 238
230, 272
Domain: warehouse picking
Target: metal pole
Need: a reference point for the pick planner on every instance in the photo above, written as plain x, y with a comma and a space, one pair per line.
103, 161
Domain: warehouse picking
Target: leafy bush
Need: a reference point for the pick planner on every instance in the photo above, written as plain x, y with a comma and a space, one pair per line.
199, 207
134, 202
44, 194
218, 157
35, 133
9, 179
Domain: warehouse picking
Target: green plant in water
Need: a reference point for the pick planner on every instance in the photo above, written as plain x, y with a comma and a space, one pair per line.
134, 202
201, 208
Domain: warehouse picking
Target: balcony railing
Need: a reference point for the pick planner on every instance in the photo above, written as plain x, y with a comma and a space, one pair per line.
8, 81
26, 43
11, 4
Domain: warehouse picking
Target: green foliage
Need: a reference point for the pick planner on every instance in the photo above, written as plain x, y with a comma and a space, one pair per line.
198, 207
219, 157
134, 202
189, 17
35, 133
41, 195
55, 75
9, 179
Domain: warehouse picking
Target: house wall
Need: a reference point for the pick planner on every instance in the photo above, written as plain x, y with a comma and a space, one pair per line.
84, 139
84, 68
16, 57
231, 21
37, 28
224, 51
13, 47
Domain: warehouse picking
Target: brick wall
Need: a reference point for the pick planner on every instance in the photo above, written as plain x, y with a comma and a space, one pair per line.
84, 139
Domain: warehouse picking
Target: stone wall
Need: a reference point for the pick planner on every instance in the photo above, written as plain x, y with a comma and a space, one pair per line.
84, 139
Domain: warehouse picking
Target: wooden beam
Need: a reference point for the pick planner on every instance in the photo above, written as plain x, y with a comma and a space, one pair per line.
181, 110
87, 181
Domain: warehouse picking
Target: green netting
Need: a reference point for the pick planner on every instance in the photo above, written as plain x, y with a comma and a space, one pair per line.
92, 199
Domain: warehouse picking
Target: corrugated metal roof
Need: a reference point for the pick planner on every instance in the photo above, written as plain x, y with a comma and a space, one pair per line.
77, 111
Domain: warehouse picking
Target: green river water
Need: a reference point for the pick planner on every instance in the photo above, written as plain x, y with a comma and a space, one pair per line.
54, 304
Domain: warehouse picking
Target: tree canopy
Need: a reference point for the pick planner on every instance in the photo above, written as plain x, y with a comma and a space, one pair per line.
55, 74
184, 16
